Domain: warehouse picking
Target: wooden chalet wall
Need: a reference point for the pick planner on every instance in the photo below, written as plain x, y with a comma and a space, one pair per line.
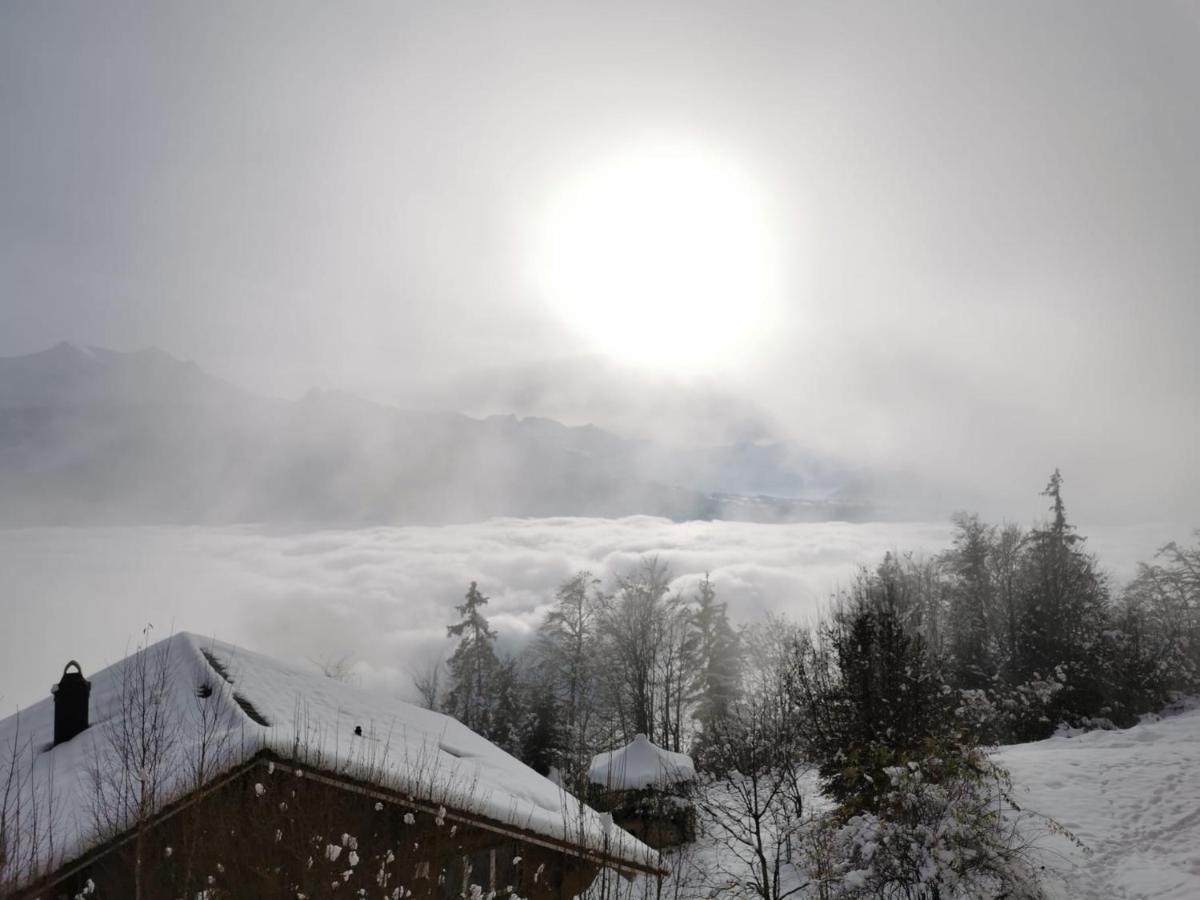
658, 818
269, 832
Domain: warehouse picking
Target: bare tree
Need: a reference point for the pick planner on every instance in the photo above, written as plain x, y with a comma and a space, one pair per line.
630, 626
28, 812
1166, 596
755, 805
136, 751
675, 670
337, 668
427, 679
566, 657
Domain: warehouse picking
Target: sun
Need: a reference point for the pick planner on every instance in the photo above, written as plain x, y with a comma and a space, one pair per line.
661, 256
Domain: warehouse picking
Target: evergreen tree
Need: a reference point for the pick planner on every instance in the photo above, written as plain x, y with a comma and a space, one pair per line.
1065, 615
887, 705
972, 651
716, 651
506, 728
473, 666
915, 590
542, 741
1005, 560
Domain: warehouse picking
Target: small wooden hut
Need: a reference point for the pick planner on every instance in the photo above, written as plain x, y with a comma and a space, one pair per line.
645, 789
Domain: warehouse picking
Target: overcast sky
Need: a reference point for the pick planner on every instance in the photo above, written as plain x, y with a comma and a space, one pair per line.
986, 215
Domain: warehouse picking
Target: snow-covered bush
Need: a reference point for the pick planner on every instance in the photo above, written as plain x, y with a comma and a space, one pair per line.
943, 829
921, 810
1006, 712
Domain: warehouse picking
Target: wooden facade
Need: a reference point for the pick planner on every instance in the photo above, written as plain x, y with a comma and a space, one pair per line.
271, 830
658, 817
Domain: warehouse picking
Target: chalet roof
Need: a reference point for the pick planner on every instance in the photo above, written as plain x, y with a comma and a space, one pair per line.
640, 764
253, 703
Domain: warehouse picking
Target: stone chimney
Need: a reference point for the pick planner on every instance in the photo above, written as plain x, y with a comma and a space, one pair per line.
70, 703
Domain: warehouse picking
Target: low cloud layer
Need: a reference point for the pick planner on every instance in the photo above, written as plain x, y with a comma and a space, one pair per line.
381, 597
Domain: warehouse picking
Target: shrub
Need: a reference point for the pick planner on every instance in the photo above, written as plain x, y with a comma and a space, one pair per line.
942, 829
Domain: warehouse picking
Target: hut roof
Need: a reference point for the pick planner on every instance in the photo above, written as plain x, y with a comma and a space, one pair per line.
252, 704
640, 764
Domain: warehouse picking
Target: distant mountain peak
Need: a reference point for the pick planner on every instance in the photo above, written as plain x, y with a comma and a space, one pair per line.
69, 351
93, 434
69, 348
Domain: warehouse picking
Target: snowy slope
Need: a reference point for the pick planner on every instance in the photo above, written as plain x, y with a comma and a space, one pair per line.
1132, 797
312, 720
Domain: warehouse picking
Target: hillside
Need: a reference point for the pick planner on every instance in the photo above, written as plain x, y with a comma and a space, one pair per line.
1132, 798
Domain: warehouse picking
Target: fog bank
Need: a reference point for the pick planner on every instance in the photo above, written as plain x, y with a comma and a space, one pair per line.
382, 596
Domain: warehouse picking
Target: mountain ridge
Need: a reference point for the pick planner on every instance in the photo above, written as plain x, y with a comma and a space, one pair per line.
89, 434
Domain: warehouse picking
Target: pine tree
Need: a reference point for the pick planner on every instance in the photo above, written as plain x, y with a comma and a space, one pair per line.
506, 727
542, 741
915, 590
971, 606
473, 667
715, 648
1005, 562
1065, 614
887, 706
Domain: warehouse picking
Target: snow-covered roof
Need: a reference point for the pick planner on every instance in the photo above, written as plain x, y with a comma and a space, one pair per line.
640, 764
309, 719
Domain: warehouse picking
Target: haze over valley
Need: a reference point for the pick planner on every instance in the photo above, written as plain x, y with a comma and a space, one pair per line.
89, 435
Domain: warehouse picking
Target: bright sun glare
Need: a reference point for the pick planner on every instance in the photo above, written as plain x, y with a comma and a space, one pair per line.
662, 257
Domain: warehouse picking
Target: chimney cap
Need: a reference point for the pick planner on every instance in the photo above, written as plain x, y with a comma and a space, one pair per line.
69, 677
71, 696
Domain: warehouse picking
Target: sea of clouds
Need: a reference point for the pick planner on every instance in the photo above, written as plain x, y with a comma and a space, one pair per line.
381, 597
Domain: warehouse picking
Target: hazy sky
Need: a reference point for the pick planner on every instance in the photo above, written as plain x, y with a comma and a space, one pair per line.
982, 219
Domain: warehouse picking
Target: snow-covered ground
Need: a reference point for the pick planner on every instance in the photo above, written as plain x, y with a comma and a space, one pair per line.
1131, 797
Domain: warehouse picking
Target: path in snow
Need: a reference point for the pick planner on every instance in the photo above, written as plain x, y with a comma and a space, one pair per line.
1132, 797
